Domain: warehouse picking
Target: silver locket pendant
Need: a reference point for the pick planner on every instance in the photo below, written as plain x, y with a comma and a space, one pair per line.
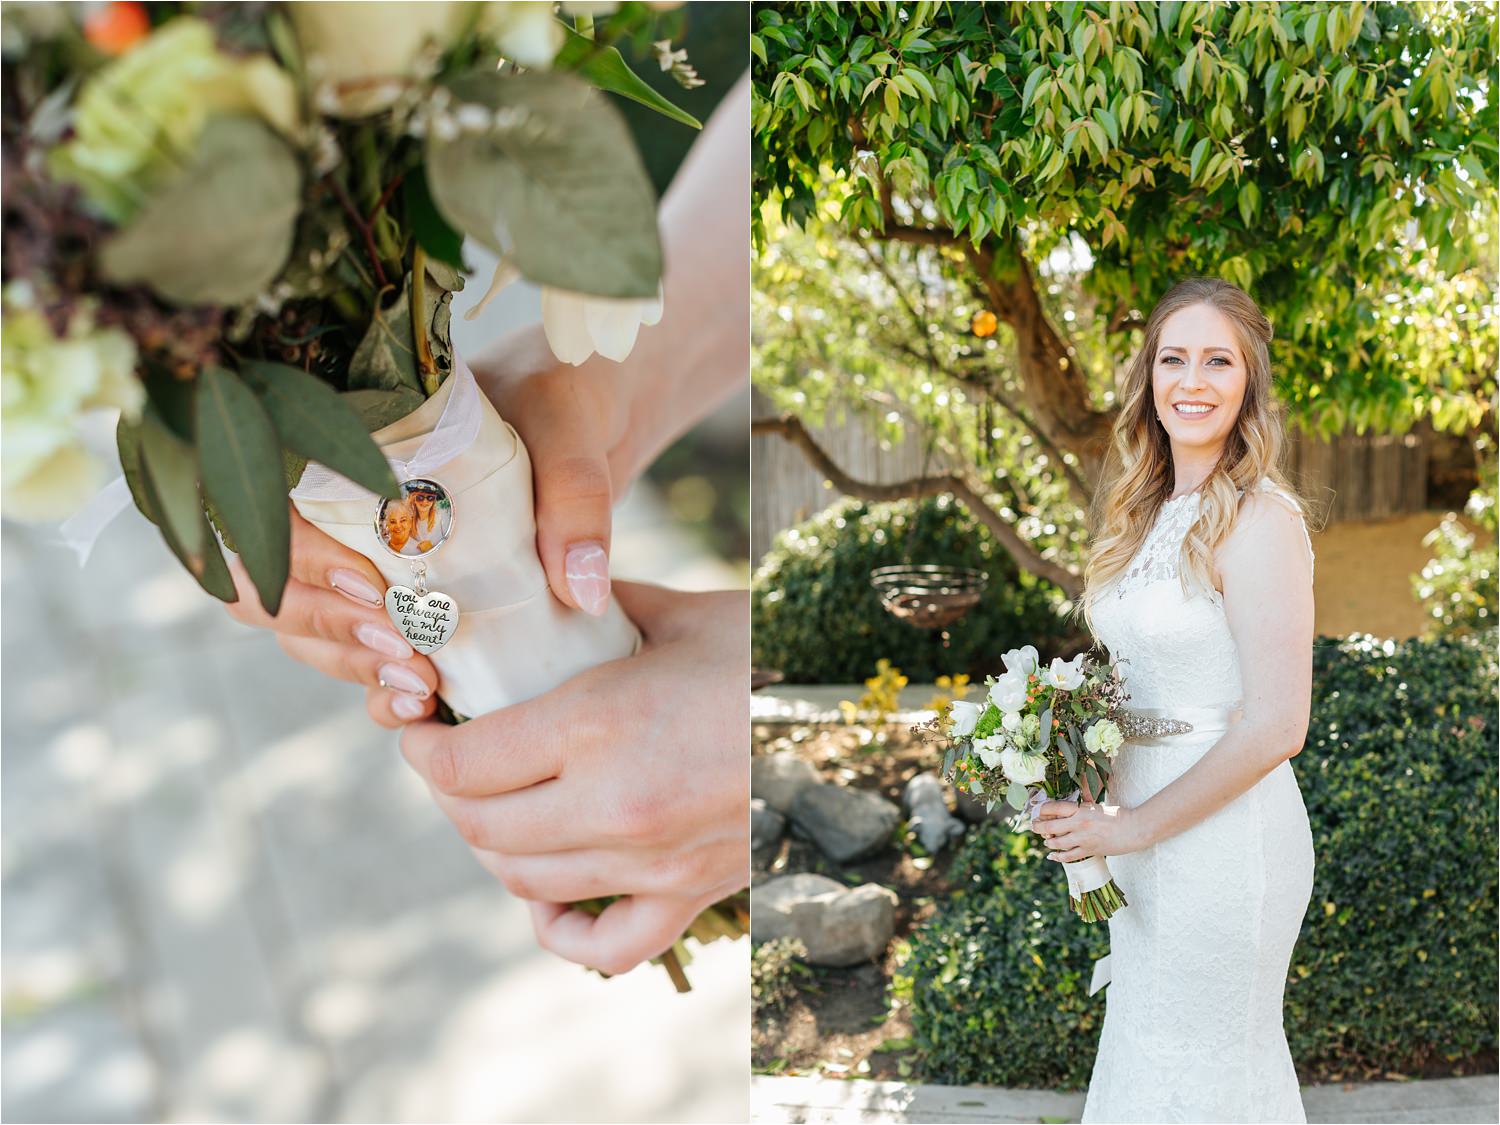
412, 528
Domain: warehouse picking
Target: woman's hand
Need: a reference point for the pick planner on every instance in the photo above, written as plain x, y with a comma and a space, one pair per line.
1076, 831
333, 618
629, 779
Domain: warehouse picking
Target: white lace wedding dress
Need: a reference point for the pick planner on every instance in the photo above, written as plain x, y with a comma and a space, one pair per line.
1198, 960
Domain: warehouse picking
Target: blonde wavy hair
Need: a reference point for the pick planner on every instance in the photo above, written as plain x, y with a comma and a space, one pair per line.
1138, 474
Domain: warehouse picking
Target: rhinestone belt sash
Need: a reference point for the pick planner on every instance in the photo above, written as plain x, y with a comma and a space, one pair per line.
1146, 724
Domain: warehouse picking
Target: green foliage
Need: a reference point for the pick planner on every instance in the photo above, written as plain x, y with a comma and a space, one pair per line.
816, 618
777, 973
220, 230
999, 979
1394, 970
240, 467
1335, 159
558, 188
1457, 587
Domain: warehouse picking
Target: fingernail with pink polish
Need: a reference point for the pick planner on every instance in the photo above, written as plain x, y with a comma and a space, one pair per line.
382, 639
587, 568
405, 707
355, 586
400, 678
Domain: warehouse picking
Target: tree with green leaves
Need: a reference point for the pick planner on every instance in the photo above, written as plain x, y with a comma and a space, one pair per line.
1060, 166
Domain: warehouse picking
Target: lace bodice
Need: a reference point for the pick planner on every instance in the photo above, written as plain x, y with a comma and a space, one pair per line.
1177, 648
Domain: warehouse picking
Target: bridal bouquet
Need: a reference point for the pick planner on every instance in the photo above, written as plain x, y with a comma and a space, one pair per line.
241, 225
1043, 734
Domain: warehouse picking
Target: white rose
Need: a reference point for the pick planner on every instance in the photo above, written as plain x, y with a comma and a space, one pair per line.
1104, 736
1022, 768
1066, 675
962, 716
1008, 692
1023, 660
366, 53
990, 750
1011, 721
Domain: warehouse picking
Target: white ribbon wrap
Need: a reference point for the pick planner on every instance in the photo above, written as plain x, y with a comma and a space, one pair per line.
514, 639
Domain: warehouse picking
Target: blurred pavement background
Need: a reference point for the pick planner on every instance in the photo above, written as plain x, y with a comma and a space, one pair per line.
227, 898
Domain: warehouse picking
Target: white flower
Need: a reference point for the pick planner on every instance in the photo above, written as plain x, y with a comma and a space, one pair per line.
1065, 674
1008, 692
1023, 660
1023, 768
990, 750
527, 32
1011, 721
1103, 736
962, 716
46, 384
367, 53
578, 325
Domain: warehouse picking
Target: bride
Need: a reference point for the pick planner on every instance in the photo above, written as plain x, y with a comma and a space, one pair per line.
1200, 580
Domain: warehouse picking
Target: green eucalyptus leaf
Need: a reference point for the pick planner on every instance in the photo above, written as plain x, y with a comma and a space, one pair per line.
557, 188
172, 473
386, 359
1015, 796
209, 569
311, 419
218, 232
128, 442
378, 409
607, 69
243, 474
427, 224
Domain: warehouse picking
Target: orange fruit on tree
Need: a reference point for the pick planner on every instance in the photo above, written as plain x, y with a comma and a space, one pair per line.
985, 323
115, 27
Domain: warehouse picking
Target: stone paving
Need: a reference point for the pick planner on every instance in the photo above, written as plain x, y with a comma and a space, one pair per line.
227, 898
828, 1101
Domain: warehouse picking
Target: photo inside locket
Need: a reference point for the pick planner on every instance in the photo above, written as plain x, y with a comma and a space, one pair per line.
416, 524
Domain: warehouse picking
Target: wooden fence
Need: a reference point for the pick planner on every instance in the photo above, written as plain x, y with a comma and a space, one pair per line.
1352, 477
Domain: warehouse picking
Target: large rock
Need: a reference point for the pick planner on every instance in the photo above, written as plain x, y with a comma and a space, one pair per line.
766, 824
927, 813
838, 926
777, 778
771, 903
846, 824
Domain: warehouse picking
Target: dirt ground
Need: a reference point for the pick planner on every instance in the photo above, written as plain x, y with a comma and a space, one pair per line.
1362, 575
844, 1021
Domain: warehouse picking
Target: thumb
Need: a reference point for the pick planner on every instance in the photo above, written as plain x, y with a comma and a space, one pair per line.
571, 482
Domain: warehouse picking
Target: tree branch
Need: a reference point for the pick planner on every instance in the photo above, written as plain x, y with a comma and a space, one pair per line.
1025, 555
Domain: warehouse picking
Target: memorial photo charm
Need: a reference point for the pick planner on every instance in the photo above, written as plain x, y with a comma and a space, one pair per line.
412, 528
418, 523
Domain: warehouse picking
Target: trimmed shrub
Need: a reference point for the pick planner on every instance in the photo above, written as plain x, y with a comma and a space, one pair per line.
1395, 969
816, 618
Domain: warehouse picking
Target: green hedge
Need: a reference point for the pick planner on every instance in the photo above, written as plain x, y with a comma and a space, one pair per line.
816, 618
1395, 969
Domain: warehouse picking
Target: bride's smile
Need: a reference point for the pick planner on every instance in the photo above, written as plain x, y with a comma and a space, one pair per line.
1198, 380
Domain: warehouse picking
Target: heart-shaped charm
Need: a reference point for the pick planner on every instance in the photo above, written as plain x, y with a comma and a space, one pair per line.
427, 620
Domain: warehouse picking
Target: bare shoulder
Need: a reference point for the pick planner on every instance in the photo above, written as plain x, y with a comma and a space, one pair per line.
1269, 538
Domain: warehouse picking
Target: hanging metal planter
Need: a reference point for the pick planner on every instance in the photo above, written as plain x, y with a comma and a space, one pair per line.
928, 596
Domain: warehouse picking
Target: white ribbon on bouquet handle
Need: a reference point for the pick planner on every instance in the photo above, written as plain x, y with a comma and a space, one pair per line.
1084, 875
455, 432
